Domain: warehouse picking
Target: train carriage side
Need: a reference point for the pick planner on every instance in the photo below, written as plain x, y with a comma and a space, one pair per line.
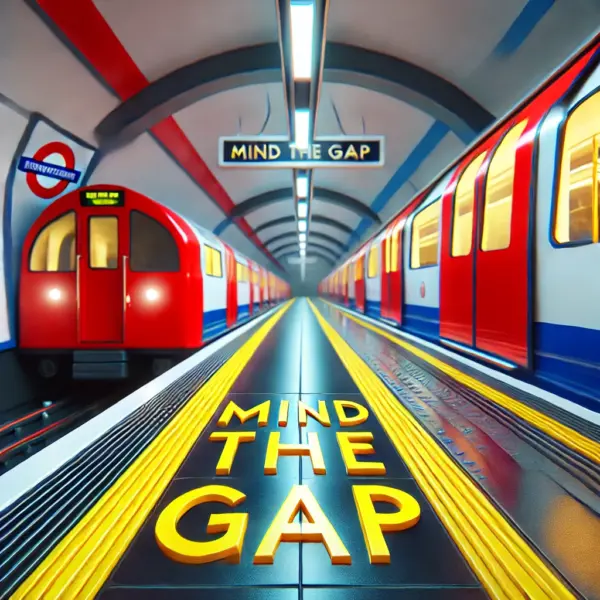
254, 287
373, 277
567, 317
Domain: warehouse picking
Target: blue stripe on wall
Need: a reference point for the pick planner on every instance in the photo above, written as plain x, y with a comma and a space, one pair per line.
415, 159
522, 26
517, 33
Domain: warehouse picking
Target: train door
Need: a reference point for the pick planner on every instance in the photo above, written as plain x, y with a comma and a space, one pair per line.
386, 273
360, 282
502, 264
459, 216
373, 280
345, 283
250, 270
395, 292
351, 284
102, 243
231, 308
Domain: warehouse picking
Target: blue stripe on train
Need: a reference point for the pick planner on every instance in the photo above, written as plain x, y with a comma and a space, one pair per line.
422, 320
214, 323
243, 312
569, 357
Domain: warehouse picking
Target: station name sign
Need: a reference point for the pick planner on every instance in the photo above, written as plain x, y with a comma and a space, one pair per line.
277, 152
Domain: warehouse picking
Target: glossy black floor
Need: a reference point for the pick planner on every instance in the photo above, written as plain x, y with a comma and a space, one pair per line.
295, 362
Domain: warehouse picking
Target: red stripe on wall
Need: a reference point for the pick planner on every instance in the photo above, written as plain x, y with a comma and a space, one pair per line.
84, 26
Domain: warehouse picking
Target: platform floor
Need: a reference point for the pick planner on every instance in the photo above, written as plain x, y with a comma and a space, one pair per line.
509, 502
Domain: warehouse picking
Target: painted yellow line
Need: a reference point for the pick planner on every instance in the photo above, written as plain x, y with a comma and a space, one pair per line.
503, 561
566, 435
80, 564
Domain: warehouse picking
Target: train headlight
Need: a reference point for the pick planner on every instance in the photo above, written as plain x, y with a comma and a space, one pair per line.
54, 294
151, 294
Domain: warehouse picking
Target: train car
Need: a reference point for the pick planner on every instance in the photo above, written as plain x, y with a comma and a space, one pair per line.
498, 258
107, 274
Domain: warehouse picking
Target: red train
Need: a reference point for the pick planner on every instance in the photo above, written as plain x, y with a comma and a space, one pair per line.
499, 257
107, 274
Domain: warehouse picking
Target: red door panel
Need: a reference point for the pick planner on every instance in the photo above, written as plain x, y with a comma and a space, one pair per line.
360, 283
396, 275
100, 276
459, 217
384, 261
231, 309
502, 297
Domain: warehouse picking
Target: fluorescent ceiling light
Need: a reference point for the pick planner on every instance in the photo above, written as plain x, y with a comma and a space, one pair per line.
302, 225
302, 251
302, 210
302, 128
302, 186
302, 237
303, 18
302, 245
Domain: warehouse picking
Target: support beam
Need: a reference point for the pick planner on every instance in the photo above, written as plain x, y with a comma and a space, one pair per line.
312, 234
309, 244
313, 254
286, 194
346, 64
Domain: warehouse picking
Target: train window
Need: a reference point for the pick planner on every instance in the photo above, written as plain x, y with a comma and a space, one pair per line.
395, 249
103, 242
213, 263
464, 198
152, 247
497, 210
360, 268
425, 237
388, 253
373, 263
54, 247
576, 218
345, 275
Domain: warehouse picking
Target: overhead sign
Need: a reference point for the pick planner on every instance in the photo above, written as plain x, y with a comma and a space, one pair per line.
278, 152
102, 198
54, 160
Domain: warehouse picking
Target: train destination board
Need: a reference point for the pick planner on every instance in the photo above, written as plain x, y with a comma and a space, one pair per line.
277, 152
102, 198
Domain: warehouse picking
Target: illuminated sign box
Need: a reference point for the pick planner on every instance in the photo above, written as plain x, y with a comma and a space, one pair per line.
102, 198
277, 152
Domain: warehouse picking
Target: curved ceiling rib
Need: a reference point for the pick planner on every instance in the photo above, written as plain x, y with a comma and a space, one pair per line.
314, 219
309, 245
266, 198
252, 65
313, 254
312, 234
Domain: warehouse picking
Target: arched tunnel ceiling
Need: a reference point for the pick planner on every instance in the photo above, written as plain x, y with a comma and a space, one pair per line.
175, 76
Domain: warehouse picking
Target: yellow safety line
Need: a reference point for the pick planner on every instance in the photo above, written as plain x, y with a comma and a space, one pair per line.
564, 434
83, 560
503, 561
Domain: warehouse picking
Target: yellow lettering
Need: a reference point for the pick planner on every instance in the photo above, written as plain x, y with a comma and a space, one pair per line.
260, 151
351, 152
233, 525
373, 524
102, 194
322, 416
284, 409
335, 152
355, 443
364, 150
236, 152
312, 449
274, 151
316, 151
232, 440
315, 528
261, 411
344, 419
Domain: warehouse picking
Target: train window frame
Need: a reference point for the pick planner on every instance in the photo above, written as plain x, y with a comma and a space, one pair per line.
214, 252
482, 155
395, 248
559, 171
373, 253
494, 154
97, 217
412, 236
131, 262
38, 236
